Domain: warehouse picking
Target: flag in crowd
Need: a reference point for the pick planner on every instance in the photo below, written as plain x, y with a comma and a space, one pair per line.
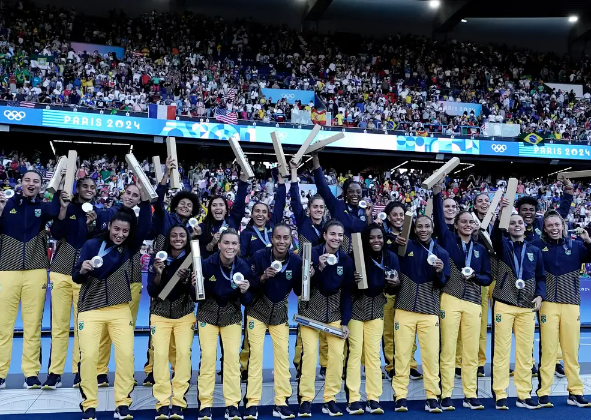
162, 112
531, 138
231, 95
225, 116
22, 104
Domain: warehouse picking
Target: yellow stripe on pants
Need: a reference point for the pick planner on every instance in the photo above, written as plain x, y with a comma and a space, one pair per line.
334, 367
256, 338
64, 294
459, 318
105, 343
407, 326
208, 342
507, 319
28, 287
364, 338
562, 322
162, 330
116, 320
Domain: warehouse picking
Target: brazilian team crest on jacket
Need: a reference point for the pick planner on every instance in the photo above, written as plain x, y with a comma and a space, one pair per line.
251, 325
543, 319
476, 254
530, 256
37, 212
340, 270
288, 274
153, 330
80, 326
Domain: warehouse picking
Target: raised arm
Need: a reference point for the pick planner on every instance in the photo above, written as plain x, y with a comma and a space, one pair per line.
566, 200
144, 225
322, 187
239, 207
280, 199
294, 192
441, 229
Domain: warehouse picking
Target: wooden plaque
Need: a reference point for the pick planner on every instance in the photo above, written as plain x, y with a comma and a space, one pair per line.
405, 232
196, 254
359, 259
507, 211
298, 156
282, 168
491, 209
157, 169
71, 172
175, 278
175, 177
306, 264
323, 143
241, 157
439, 173
56, 179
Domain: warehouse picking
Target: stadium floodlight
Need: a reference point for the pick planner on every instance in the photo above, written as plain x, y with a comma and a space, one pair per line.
464, 21
434, 4
573, 19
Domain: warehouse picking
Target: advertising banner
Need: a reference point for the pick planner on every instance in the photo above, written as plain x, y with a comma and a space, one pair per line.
458, 108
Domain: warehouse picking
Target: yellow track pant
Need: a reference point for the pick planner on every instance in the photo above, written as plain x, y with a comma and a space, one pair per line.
334, 367
208, 341
161, 331
486, 295
297, 358
64, 294
407, 326
508, 318
459, 318
149, 365
256, 338
388, 340
562, 322
105, 343
28, 287
364, 338
118, 323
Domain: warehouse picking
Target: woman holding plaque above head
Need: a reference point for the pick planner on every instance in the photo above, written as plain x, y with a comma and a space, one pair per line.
257, 234
171, 318
219, 218
519, 291
560, 313
226, 280
103, 270
460, 310
23, 272
277, 272
184, 207
424, 270
367, 321
71, 229
330, 303
353, 212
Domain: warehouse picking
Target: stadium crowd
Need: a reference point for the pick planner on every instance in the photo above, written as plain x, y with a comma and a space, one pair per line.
194, 62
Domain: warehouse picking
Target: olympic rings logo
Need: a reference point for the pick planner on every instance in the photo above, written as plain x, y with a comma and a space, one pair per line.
499, 148
288, 96
14, 115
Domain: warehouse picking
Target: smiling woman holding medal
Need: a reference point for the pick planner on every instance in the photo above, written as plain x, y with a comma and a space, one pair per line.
277, 272
367, 322
257, 234
330, 303
424, 270
519, 290
460, 302
226, 281
104, 270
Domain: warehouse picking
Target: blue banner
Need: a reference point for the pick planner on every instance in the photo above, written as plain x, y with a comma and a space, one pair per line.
79, 47
458, 108
292, 136
305, 96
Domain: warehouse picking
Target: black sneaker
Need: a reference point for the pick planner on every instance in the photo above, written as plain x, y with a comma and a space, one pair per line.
415, 374
459, 373
322, 372
283, 412
77, 381
432, 406
372, 407
176, 413
401, 405
163, 413
559, 371
103, 381
578, 401
331, 409
53, 381
447, 404
251, 413
89, 414
501, 404
391, 374
534, 370
232, 413
480, 371
528, 403
149, 381
2, 383
204, 414
32, 382
355, 408
544, 401
122, 413
473, 404
244, 376
305, 409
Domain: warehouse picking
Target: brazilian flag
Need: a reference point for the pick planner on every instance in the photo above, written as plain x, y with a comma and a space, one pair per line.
531, 138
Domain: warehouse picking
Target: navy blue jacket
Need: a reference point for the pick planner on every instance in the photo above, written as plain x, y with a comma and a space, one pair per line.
306, 227
163, 220
23, 239
534, 231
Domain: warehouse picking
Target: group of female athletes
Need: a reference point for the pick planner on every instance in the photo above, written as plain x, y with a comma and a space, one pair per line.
432, 286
